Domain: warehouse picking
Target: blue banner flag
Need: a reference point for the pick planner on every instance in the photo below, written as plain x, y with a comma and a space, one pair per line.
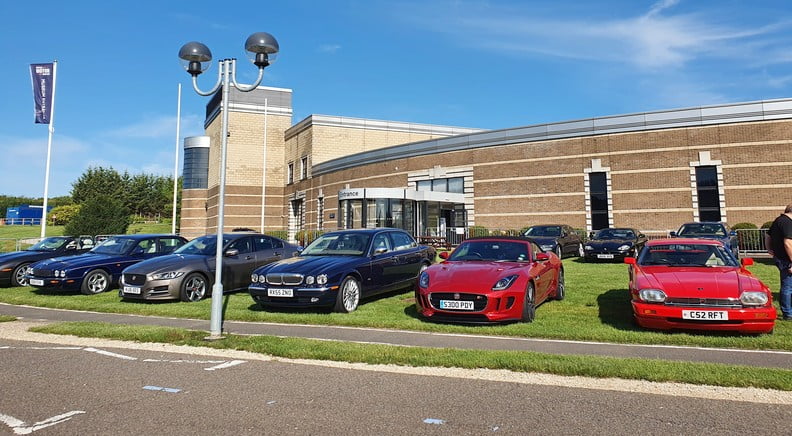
42, 75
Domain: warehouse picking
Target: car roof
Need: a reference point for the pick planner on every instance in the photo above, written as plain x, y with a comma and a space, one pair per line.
701, 241
501, 238
139, 236
367, 230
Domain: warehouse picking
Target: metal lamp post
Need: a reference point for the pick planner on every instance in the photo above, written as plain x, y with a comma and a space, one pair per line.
262, 47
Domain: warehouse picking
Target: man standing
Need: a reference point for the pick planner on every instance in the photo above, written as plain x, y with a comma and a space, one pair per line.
778, 241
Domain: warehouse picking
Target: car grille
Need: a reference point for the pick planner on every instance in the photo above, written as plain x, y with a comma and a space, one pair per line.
704, 302
135, 279
39, 272
288, 279
479, 301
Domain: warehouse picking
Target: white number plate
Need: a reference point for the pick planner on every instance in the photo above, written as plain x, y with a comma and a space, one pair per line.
131, 290
37, 282
280, 292
706, 315
456, 304
604, 256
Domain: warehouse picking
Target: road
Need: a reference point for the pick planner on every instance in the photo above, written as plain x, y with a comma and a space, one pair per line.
63, 385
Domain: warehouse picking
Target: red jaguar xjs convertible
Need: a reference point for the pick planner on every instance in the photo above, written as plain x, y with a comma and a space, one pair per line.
697, 284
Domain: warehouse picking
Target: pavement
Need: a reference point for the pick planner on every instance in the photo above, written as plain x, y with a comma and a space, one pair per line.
756, 358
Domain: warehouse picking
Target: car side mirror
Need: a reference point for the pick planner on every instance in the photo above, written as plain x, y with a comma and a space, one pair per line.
231, 252
672, 234
746, 261
733, 233
443, 255
380, 250
541, 257
630, 260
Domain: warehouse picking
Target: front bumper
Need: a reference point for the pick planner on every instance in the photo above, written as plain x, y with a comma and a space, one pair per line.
301, 297
746, 320
151, 290
57, 283
489, 308
606, 256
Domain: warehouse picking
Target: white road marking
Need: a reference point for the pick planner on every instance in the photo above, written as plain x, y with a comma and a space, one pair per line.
20, 427
160, 388
225, 365
109, 353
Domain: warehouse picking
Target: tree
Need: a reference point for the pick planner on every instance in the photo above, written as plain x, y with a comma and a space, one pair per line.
62, 215
100, 214
99, 181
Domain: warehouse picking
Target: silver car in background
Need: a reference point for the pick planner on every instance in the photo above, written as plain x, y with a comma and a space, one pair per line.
188, 273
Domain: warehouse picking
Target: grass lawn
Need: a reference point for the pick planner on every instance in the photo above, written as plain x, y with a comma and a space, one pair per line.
519, 361
597, 308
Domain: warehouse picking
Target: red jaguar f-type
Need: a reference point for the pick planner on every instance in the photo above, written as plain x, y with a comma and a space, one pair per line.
697, 284
491, 279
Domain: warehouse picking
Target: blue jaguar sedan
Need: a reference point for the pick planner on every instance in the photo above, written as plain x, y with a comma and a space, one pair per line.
338, 269
99, 269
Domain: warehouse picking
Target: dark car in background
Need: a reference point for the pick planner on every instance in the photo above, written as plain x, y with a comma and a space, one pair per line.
558, 238
614, 244
13, 266
340, 268
189, 272
710, 230
99, 269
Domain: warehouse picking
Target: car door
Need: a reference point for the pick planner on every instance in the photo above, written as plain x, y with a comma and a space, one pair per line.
239, 261
542, 272
267, 249
384, 265
410, 257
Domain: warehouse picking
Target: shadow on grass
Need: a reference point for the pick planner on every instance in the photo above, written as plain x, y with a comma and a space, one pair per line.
615, 309
61, 292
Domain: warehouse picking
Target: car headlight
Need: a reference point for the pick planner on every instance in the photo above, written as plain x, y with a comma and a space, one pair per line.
321, 279
753, 298
170, 275
652, 295
423, 280
588, 247
625, 247
60, 273
504, 283
547, 247
262, 278
254, 278
309, 280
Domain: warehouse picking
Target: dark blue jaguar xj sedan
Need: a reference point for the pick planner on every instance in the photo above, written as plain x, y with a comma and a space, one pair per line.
339, 268
99, 269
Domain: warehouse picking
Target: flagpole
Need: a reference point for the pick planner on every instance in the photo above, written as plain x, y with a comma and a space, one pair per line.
49, 149
176, 163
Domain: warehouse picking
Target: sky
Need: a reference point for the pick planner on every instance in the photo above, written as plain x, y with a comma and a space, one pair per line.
481, 64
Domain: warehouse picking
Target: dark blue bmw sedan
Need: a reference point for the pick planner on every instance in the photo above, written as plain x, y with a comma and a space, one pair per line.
340, 268
99, 269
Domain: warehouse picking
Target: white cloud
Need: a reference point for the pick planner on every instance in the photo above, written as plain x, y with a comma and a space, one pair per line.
329, 48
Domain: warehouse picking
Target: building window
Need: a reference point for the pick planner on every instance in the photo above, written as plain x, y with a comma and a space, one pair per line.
454, 184
290, 174
598, 183
304, 168
708, 193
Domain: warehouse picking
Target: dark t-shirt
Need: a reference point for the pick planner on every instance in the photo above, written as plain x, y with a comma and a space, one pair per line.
780, 229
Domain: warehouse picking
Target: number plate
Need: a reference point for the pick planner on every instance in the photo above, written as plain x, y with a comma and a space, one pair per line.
456, 304
131, 290
706, 315
36, 282
280, 292
604, 256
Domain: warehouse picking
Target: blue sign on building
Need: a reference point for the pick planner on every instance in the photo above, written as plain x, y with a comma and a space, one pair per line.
24, 215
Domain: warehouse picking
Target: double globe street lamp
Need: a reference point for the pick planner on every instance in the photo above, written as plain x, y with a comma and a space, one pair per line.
262, 49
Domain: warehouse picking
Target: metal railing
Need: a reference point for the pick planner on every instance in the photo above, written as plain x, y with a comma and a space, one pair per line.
20, 221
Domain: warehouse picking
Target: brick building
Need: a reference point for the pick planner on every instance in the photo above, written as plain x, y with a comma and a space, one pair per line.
651, 171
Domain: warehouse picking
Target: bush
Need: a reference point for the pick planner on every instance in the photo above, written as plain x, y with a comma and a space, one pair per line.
99, 215
740, 226
766, 225
474, 231
62, 215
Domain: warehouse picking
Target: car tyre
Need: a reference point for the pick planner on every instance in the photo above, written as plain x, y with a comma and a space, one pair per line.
348, 297
95, 282
193, 288
560, 292
18, 276
559, 252
529, 308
